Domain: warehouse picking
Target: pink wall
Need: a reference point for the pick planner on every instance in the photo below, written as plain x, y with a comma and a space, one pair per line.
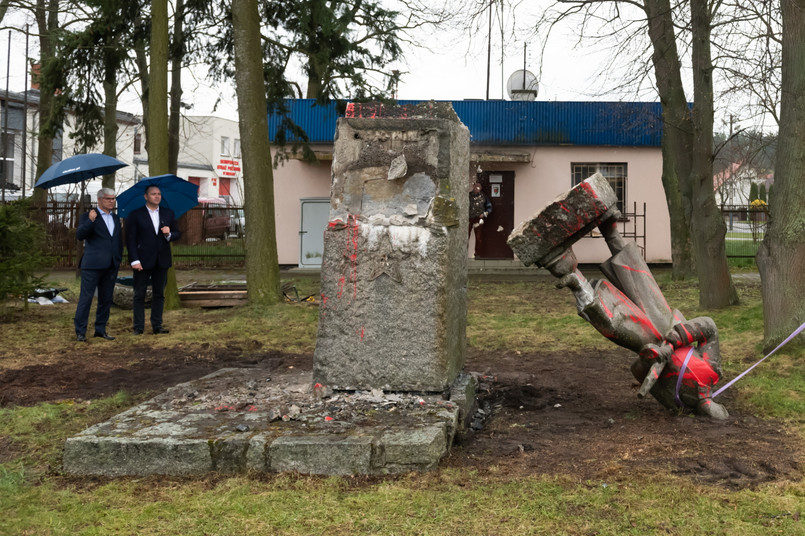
536, 184
295, 180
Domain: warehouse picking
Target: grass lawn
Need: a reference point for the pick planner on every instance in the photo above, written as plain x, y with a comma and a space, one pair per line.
742, 247
509, 316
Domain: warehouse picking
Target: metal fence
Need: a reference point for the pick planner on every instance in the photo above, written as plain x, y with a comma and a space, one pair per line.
746, 227
212, 235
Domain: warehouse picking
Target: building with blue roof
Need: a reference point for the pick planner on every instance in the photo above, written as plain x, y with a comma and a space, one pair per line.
523, 153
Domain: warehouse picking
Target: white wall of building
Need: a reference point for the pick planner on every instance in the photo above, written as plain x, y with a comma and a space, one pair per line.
210, 151
124, 178
26, 147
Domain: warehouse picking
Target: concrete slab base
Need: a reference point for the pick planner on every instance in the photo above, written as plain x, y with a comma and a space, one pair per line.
237, 420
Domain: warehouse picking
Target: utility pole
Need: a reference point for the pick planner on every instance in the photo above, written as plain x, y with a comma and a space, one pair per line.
25, 118
489, 50
4, 136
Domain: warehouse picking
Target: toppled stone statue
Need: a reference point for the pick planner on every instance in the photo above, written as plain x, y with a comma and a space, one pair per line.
628, 307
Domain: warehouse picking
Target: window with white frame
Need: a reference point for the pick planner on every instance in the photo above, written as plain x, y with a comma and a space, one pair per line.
225, 146
7, 158
237, 148
615, 173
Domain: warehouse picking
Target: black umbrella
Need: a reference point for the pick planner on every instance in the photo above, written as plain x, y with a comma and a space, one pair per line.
78, 168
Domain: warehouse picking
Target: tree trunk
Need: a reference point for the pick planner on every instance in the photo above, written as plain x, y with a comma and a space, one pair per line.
110, 112
47, 21
141, 60
44, 152
318, 55
707, 224
677, 140
157, 126
315, 87
262, 265
177, 48
781, 256
317, 73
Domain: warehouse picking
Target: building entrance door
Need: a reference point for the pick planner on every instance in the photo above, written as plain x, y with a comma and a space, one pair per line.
499, 188
315, 213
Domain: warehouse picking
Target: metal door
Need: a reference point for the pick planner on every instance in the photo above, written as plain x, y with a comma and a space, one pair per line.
499, 188
315, 214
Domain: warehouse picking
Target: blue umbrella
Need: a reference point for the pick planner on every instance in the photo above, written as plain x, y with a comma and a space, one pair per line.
78, 168
177, 194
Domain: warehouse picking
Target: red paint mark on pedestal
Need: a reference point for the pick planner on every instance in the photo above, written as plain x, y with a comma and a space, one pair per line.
341, 282
354, 228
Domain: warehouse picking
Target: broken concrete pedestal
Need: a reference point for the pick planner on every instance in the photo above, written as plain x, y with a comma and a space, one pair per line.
238, 420
394, 273
386, 394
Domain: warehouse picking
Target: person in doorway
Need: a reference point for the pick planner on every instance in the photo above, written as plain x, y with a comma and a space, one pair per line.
149, 231
103, 251
480, 208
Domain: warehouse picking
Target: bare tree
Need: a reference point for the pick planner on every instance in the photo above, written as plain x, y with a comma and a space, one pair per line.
672, 31
749, 60
156, 132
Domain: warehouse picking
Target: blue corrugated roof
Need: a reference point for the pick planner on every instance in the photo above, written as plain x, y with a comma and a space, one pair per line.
624, 124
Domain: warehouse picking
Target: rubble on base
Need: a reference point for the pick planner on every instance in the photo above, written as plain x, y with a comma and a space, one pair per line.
236, 420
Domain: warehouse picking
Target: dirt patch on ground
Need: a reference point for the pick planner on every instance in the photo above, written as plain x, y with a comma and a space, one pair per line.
578, 414
571, 414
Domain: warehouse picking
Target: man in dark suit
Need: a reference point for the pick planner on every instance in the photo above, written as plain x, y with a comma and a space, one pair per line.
103, 252
149, 231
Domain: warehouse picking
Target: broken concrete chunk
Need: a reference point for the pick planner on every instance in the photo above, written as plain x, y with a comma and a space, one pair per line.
398, 168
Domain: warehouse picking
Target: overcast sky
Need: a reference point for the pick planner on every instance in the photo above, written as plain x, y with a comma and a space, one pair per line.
454, 69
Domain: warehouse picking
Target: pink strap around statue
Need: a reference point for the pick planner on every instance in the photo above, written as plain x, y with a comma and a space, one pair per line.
741, 375
796, 332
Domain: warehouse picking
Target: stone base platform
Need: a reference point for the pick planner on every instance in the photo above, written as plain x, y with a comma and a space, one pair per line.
238, 420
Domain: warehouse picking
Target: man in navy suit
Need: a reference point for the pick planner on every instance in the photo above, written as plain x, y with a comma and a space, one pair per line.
103, 252
149, 231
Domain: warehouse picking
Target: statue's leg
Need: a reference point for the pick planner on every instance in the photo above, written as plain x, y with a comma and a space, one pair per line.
699, 377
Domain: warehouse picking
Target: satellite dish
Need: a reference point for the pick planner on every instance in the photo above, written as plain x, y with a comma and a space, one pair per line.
522, 86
